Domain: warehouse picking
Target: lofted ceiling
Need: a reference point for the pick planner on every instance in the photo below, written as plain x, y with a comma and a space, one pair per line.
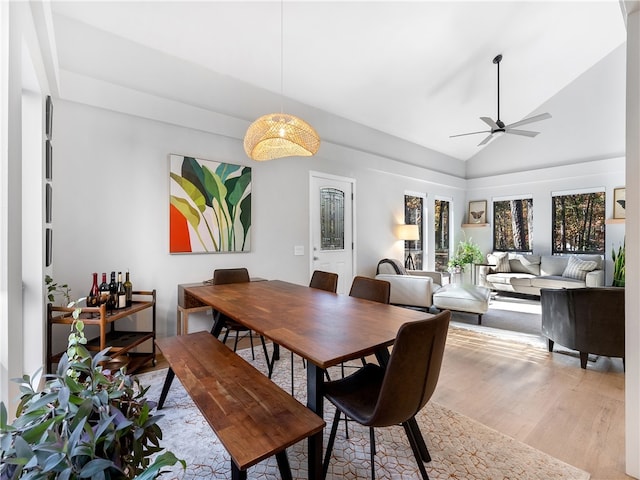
419, 71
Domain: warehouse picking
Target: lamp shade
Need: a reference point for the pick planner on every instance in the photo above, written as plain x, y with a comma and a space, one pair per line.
408, 232
278, 135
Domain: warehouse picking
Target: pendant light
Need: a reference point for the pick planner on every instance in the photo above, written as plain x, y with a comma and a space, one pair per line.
279, 135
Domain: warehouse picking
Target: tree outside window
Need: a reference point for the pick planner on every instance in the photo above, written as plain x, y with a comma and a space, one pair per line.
413, 207
513, 225
441, 214
578, 223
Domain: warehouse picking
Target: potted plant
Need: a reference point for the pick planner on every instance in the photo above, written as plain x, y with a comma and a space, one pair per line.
618, 265
86, 422
466, 253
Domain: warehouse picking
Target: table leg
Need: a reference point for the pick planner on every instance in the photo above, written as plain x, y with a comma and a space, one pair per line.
165, 388
315, 399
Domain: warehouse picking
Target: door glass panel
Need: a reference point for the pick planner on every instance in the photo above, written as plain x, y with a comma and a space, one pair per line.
331, 219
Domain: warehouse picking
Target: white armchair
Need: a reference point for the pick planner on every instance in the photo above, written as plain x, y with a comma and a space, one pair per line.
413, 288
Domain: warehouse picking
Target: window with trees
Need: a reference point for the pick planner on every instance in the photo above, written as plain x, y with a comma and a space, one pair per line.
413, 208
441, 228
513, 225
578, 222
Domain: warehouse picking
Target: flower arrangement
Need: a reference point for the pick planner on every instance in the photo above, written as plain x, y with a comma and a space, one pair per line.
86, 422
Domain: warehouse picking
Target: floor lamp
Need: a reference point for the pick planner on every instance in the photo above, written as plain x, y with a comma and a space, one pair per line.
411, 233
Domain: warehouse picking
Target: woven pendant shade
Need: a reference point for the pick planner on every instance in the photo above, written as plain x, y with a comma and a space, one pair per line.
279, 135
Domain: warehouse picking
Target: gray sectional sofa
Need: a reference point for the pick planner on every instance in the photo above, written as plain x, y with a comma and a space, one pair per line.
521, 273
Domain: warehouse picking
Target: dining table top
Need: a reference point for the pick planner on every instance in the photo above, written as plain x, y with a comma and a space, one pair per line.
323, 327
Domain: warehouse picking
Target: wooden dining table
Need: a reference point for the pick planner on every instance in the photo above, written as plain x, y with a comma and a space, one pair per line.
324, 328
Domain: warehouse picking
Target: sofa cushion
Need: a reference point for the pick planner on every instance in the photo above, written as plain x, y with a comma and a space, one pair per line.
500, 260
556, 281
578, 269
510, 278
525, 263
553, 265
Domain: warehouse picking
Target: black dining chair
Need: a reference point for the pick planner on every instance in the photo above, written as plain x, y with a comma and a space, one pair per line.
223, 276
381, 396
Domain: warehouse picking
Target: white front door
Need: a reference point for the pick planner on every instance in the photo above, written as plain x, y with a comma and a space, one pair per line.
332, 231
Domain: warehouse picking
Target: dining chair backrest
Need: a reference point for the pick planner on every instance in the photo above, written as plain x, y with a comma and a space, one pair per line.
222, 276
371, 289
324, 281
412, 373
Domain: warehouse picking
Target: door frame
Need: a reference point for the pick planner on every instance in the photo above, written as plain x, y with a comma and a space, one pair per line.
352, 181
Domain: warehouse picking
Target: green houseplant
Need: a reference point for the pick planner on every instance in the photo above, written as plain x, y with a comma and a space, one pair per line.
618, 265
466, 253
86, 422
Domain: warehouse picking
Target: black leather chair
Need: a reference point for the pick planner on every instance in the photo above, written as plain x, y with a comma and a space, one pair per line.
589, 320
376, 396
223, 276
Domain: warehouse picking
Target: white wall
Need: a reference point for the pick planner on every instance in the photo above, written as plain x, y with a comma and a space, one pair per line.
110, 203
608, 174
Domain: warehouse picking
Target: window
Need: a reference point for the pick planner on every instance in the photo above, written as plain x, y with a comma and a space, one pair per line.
578, 223
413, 208
512, 225
441, 228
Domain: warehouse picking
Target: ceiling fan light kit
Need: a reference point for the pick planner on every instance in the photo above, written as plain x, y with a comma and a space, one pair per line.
498, 127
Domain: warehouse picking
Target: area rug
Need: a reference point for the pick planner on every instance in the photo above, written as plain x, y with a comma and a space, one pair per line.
460, 447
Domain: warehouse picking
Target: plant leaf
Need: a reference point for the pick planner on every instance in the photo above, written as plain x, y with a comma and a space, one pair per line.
95, 466
192, 191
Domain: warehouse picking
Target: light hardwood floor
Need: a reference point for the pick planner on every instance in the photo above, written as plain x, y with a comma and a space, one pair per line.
544, 400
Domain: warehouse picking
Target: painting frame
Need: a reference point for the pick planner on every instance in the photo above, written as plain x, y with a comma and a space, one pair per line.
48, 247
619, 203
209, 206
48, 129
48, 163
477, 213
48, 202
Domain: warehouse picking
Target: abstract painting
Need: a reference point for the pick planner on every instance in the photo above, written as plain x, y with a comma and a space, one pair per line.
209, 206
619, 203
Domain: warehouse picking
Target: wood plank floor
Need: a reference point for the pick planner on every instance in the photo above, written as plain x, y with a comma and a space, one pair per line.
544, 400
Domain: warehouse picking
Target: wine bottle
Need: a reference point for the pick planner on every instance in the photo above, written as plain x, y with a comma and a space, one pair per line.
128, 288
93, 298
113, 291
104, 289
121, 294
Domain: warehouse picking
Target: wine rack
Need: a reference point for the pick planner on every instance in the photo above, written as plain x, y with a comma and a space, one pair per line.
121, 342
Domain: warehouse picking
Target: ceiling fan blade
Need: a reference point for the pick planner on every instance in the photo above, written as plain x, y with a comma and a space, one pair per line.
486, 140
526, 133
470, 133
490, 122
535, 118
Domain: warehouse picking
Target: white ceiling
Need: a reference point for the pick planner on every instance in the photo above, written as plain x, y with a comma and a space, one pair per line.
420, 71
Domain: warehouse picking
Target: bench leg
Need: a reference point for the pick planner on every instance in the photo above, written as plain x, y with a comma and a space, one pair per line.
236, 473
165, 388
283, 465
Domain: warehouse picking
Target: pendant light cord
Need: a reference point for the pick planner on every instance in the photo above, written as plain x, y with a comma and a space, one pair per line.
281, 56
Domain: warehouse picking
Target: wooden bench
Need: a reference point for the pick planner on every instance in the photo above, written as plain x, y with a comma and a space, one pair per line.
253, 417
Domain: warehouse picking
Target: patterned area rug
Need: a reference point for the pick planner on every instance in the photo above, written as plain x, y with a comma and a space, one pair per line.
460, 448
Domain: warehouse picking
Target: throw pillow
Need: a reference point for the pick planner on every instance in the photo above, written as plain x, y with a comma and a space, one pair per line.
502, 262
578, 269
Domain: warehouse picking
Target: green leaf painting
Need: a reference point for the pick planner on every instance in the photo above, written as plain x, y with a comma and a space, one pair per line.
210, 206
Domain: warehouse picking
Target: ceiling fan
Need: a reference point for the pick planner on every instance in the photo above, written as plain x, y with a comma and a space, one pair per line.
498, 127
